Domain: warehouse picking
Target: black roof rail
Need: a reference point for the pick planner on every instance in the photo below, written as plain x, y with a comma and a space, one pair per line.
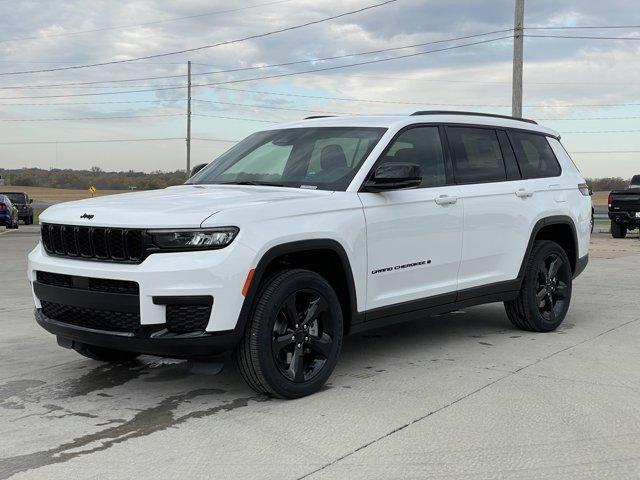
477, 114
318, 116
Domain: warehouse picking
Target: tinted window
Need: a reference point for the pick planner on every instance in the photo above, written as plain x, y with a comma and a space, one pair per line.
421, 146
326, 158
17, 197
476, 153
535, 157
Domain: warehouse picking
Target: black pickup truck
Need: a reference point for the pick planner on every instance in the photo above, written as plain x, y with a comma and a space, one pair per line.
624, 209
23, 203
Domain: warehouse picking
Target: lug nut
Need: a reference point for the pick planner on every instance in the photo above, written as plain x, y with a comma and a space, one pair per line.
306, 326
293, 338
297, 325
306, 339
299, 345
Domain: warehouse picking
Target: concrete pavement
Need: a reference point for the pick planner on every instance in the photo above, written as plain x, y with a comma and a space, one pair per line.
462, 395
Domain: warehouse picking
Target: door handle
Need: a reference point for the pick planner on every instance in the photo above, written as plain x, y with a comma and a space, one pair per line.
522, 193
446, 200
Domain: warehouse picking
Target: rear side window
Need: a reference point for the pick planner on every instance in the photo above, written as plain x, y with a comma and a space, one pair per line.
476, 155
534, 154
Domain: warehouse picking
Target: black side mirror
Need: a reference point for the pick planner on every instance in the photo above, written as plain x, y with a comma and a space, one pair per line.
197, 168
394, 176
31, 200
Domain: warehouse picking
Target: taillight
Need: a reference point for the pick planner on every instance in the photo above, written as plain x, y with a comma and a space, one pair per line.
610, 200
584, 189
3, 206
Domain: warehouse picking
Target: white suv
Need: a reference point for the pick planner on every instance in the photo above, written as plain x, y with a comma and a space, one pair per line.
305, 232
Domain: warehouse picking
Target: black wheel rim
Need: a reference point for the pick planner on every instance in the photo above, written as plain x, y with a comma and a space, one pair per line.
303, 335
552, 287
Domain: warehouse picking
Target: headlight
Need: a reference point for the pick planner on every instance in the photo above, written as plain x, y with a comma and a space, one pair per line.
205, 238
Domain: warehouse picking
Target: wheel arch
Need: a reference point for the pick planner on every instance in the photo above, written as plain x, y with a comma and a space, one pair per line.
326, 257
560, 229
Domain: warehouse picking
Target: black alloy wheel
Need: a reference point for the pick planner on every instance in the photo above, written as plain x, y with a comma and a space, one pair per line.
302, 337
552, 288
293, 335
543, 300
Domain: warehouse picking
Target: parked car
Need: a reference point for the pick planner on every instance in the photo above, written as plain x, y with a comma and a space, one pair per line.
624, 209
23, 203
305, 232
8, 213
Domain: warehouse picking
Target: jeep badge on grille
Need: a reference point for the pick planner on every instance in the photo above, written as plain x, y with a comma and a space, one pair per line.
87, 216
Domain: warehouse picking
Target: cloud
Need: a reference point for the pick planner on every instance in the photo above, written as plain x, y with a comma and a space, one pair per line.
557, 72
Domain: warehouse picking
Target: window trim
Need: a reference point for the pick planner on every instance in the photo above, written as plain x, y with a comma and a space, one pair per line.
448, 167
518, 160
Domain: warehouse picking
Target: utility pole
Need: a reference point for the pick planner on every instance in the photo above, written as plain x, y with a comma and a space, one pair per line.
518, 41
188, 118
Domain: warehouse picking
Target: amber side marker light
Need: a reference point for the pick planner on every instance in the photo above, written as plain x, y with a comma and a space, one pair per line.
247, 282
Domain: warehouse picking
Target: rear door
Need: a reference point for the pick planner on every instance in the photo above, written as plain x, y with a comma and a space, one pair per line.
497, 216
414, 236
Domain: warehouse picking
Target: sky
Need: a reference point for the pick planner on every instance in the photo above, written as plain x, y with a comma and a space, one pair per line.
586, 89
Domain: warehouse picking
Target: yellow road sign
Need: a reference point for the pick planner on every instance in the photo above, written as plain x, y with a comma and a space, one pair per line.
92, 189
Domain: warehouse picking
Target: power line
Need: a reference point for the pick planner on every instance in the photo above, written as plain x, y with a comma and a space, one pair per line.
271, 107
145, 24
49, 142
215, 140
117, 140
203, 47
68, 119
587, 118
233, 118
582, 37
603, 131
260, 67
338, 67
606, 151
119, 102
289, 74
603, 27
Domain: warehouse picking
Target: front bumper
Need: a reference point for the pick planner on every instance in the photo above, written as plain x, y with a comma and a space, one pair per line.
216, 273
146, 341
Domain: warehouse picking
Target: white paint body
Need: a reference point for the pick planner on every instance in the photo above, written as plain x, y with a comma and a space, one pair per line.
479, 239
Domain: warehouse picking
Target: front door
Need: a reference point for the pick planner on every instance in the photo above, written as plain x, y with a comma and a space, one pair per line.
414, 236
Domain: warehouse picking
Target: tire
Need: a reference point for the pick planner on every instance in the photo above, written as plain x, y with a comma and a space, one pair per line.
105, 354
543, 300
618, 230
293, 335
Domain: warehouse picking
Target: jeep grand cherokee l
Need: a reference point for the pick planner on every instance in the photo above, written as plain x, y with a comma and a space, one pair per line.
308, 231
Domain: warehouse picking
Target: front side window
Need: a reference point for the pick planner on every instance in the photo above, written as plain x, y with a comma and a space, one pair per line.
534, 154
323, 158
476, 155
420, 146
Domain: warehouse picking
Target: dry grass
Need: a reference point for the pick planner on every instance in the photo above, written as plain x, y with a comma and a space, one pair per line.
58, 194
599, 199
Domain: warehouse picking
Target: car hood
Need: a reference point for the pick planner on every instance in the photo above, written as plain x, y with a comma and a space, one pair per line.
184, 206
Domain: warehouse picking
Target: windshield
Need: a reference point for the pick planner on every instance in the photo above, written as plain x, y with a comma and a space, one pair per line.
16, 197
325, 158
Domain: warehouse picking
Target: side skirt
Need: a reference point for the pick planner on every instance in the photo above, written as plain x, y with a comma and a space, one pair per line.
448, 302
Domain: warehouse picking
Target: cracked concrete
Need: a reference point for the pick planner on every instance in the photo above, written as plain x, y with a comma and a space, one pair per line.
461, 395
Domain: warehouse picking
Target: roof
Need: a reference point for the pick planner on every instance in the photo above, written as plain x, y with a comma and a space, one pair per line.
397, 122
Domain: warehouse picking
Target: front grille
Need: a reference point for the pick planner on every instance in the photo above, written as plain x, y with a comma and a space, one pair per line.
92, 318
187, 318
98, 243
86, 283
